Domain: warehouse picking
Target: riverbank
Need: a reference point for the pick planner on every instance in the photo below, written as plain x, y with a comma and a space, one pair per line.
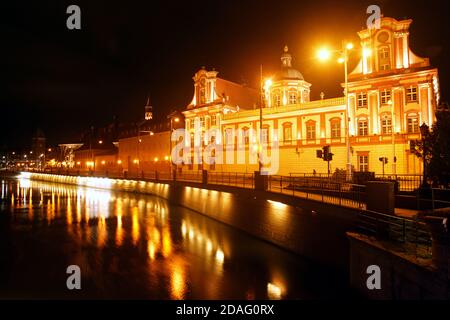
276, 218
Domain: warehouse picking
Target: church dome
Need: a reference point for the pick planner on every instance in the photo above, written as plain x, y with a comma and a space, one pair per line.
287, 72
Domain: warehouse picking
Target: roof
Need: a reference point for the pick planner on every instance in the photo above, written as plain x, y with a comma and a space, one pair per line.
236, 95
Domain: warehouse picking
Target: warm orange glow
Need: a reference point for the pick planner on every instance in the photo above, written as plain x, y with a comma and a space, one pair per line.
156, 159
267, 84
349, 46
135, 161
119, 161
367, 52
103, 162
177, 119
166, 158
341, 60
323, 54
100, 141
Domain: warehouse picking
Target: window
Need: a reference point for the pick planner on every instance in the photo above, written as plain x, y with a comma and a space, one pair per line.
335, 128
362, 100
385, 96
277, 99
202, 122
411, 94
229, 139
384, 59
363, 129
265, 134
386, 125
202, 95
287, 132
192, 123
310, 130
363, 162
245, 135
413, 123
305, 96
292, 96
213, 120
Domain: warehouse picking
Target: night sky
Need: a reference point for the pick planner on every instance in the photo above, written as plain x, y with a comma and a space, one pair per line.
64, 81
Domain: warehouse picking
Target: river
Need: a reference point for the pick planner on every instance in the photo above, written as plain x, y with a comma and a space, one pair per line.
132, 246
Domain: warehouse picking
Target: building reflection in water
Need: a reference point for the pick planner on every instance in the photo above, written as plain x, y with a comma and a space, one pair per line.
179, 251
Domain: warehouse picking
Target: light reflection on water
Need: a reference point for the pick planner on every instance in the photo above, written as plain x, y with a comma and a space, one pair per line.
136, 246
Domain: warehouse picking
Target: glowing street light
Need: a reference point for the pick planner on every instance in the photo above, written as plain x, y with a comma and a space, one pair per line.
324, 54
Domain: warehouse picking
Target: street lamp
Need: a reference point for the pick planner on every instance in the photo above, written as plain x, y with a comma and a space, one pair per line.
324, 54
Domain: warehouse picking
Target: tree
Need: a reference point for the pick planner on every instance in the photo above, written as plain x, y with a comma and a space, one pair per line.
439, 166
434, 149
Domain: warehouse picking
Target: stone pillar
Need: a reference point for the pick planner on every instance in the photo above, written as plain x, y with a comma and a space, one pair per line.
261, 181
380, 197
440, 236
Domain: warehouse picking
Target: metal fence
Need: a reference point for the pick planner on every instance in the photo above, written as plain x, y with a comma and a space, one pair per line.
328, 191
413, 234
237, 179
406, 182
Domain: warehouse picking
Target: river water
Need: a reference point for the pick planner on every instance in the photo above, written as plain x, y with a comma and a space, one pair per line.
131, 246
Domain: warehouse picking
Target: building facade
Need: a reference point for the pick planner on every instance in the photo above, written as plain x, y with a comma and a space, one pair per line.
391, 92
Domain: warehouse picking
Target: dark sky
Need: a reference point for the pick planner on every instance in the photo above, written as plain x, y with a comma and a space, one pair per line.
63, 81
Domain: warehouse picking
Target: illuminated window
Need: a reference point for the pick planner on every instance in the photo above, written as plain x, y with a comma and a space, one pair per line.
202, 122
413, 123
386, 125
265, 134
411, 94
277, 99
310, 130
246, 135
192, 123
384, 59
287, 132
385, 96
293, 96
362, 100
202, 95
229, 139
363, 162
363, 129
305, 96
335, 128
213, 120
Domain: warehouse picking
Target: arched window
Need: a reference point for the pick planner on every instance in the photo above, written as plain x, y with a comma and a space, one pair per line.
293, 96
335, 124
287, 132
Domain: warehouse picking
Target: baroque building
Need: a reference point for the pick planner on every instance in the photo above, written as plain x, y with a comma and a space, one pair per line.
392, 92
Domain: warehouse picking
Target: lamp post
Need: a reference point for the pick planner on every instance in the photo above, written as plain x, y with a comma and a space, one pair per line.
325, 54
